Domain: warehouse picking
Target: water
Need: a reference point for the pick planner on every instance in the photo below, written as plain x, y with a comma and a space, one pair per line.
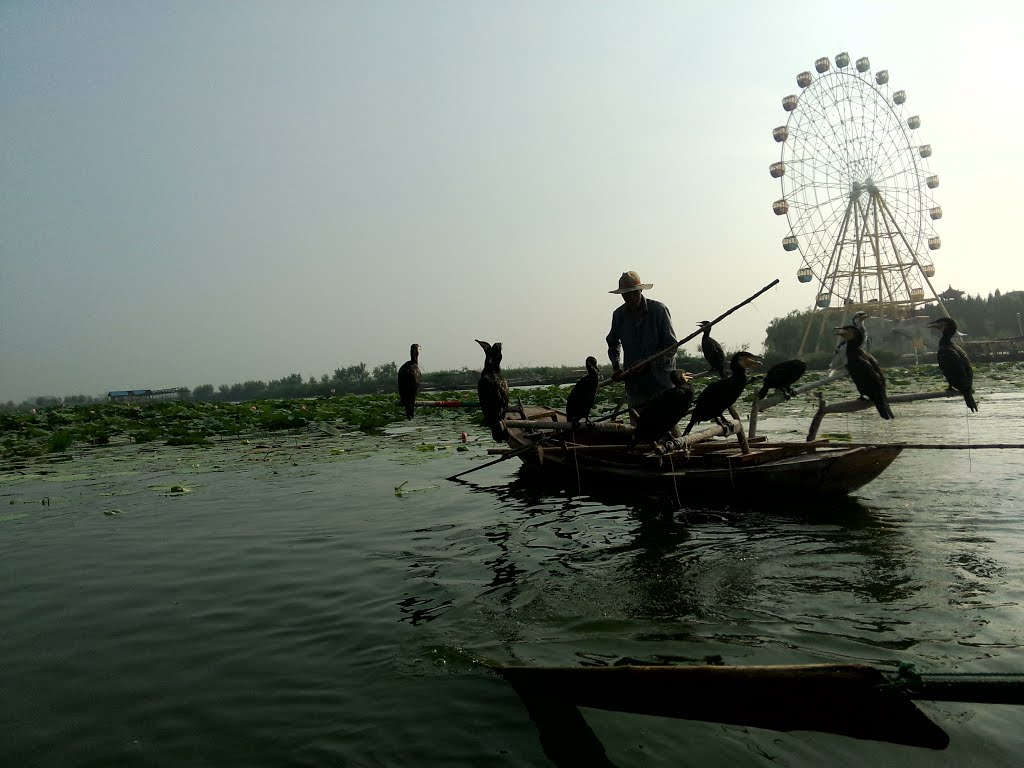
291, 609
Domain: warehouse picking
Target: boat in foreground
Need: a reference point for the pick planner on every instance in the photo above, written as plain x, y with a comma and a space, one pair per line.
708, 462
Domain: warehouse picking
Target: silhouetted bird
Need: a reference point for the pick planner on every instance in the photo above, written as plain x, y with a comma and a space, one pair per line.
492, 390
580, 402
718, 396
409, 381
782, 376
954, 362
864, 370
663, 411
839, 356
712, 350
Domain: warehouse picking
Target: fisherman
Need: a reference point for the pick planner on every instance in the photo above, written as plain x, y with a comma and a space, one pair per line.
642, 327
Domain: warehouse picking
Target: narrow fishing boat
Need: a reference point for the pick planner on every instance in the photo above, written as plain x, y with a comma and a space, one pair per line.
703, 463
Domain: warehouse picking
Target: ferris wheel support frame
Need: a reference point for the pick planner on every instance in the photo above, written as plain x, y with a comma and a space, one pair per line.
862, 231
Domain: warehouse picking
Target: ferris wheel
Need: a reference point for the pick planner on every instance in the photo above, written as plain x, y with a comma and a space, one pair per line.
857, 191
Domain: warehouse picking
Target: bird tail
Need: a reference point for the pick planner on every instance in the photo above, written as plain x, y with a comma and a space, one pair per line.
763, 392
971, 402
884, 410
410, 411
498, 431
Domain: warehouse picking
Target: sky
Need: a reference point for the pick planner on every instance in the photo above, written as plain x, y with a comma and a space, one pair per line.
213, 192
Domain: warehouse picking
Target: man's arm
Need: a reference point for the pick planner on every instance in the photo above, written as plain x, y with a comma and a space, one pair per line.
614, 345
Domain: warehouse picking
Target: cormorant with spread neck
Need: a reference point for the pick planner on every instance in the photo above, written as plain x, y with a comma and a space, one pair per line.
782, 376
839, 356
712, 350
865, 370
492, 390
409, 381
580, 402
954, 362
718, 396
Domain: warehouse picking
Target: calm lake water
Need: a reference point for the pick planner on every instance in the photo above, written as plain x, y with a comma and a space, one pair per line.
291, 609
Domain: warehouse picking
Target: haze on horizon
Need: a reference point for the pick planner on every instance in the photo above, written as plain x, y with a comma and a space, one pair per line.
196, 193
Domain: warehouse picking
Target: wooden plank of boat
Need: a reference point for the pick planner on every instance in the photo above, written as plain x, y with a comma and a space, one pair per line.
847, 699
732, 457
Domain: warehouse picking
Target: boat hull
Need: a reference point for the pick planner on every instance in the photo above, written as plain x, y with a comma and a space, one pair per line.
770, 469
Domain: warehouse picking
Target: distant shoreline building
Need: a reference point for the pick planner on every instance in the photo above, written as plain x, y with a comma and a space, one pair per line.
951, 294
147, 395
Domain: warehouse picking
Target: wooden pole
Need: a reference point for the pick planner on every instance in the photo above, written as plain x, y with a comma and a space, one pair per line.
560, 426
851, 406
773, 400
673, 347
504, 457
934, 446
846, 699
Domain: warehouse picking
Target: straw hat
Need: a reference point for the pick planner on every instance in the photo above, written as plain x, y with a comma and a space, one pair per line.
630, 281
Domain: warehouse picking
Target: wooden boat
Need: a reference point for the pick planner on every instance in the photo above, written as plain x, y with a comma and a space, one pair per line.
717, 460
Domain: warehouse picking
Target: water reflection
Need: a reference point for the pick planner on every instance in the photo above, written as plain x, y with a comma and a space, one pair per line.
648, 560
607, 571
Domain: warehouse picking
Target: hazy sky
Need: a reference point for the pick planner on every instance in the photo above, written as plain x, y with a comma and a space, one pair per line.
210, 192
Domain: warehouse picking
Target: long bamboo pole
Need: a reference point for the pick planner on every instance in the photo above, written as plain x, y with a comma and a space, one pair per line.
933, 446
673, 347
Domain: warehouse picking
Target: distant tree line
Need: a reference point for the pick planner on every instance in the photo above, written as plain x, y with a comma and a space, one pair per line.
994, 316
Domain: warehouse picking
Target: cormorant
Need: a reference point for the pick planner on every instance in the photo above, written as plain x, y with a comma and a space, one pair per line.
663, 411
865, 371
581, 397
839, 356
718, 396
712, 350
782, 376
492, 390
409, 381
954, 362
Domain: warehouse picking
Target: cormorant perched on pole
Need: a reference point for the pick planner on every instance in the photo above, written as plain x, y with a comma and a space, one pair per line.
718, 396
865, 371
954, 362
782, 376
409, 381
712, 350
492, 390
839, 356
581, 397
663, 411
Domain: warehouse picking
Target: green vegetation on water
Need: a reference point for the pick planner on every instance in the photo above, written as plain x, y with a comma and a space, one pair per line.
184, 423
